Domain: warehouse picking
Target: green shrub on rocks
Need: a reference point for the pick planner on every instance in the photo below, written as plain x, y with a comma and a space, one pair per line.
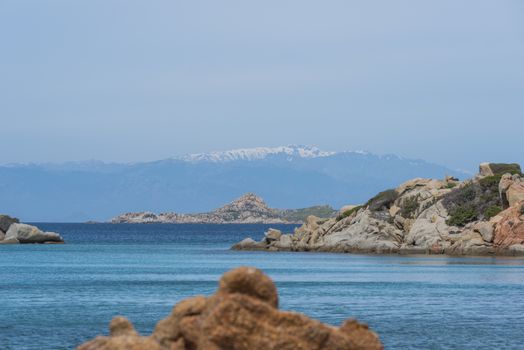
492, 211
293, 215
348, 212
503, 168
383, 200
409, 206
490, 181
475, 201
461, 215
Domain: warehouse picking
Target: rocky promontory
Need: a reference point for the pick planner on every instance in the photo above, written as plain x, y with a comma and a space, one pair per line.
13, 232
248, 209
479, 216
242, 315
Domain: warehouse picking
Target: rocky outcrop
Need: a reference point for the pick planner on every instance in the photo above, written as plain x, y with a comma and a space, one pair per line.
16, 232
248, 209
421, 216
509, 228
30, 234
6, 221
511, 188
242, 315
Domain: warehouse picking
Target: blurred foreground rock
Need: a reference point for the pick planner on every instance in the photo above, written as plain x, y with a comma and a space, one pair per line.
242, 315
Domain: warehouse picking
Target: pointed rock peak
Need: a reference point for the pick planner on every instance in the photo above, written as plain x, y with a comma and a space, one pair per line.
247, 202
249, 197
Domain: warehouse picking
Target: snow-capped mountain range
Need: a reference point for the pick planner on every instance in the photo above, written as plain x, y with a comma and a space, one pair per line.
287, 177
256, 153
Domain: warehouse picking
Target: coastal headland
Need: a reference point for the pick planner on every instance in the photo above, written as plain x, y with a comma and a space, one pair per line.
247, 209
483, 215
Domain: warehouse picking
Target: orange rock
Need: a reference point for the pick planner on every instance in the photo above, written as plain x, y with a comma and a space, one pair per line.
242, 315
509, 229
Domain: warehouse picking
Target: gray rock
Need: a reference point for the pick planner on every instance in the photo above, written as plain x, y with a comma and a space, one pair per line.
30, 234
469, 243
273, 235
365, 234
247, 243
2, 235
517, 249
486, 230
285, 242
6, 221
429, 228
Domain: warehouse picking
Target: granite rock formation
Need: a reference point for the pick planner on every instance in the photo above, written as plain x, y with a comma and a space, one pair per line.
242, 315
248, 209
422, 216
13, 232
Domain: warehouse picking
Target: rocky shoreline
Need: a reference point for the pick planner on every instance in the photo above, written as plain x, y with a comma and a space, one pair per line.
248, 209
14, 232
479, 216
243, 315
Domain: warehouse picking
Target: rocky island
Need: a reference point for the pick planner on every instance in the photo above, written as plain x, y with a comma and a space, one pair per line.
13, 232
248, 209
479, 216
243, 315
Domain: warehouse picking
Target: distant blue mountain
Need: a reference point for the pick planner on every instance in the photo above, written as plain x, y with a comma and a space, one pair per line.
286, 177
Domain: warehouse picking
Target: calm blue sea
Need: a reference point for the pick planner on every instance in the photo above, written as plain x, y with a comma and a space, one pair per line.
58, 296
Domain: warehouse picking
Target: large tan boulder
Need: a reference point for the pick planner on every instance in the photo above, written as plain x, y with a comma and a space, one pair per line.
485, 228
511, 189
429, 228
469, 243
242, 315
365, 233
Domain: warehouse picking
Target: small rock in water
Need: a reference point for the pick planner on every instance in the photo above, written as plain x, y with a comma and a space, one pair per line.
30, 234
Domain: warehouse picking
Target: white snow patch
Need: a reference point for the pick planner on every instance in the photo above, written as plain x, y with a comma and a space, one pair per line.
256, 154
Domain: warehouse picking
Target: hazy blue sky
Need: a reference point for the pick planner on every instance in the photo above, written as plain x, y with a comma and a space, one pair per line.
143, 80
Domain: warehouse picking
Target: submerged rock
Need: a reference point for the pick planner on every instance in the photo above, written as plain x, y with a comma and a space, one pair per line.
10, 241
242, 315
